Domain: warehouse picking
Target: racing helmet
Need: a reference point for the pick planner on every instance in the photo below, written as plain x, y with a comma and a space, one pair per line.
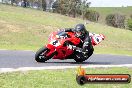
80, 30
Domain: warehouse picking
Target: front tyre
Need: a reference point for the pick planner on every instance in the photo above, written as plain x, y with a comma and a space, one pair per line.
40, 55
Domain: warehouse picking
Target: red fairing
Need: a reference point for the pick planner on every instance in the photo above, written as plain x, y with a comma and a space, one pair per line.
56, 44
73, 39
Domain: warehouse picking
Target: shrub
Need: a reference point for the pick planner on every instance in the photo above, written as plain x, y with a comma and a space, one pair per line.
91, 15
109, 20
129, 24
131, 16
115, 20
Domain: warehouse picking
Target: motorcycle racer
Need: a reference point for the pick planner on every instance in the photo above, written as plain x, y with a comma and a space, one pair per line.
87, 40
85, 48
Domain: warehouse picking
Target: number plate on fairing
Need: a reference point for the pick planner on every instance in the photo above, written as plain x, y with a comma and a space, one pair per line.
55, 43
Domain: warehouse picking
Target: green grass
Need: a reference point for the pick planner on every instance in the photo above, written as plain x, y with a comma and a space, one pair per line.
28, 29
58, 78
104, 11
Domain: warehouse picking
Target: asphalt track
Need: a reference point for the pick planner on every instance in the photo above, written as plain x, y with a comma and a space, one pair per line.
17, 59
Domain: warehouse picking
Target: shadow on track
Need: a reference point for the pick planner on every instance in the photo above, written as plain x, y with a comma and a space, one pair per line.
83, 63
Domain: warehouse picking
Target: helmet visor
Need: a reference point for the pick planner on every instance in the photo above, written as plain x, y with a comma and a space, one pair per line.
78, 33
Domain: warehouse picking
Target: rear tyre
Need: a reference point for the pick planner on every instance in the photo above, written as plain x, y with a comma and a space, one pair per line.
79, 57
91, 52
40, 55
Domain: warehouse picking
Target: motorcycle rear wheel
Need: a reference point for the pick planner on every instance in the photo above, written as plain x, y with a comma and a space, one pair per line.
40, 55
80, 58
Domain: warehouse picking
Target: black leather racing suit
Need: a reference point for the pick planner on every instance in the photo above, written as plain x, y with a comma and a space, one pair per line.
85, 44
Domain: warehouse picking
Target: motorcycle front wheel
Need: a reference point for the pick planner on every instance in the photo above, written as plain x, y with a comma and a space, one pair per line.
40, 55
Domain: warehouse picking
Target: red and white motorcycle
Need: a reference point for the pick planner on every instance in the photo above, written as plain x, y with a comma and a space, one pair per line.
57, 49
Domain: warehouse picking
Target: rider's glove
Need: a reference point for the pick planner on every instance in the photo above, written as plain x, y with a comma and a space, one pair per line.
72, 47
78, 49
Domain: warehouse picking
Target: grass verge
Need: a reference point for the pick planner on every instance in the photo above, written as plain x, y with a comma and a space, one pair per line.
58, 78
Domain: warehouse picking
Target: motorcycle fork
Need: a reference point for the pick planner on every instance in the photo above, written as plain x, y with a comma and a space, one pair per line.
52, 53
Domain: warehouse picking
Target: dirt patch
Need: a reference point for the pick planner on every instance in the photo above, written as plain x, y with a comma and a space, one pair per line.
7, 27
42, 30
12, 28
2, 21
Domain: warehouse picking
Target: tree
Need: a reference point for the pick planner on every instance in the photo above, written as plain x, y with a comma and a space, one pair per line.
44, 5
71, 7
24, 3
91, 15
84, 6
59, 6
55, 6
49, 4
12, 1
